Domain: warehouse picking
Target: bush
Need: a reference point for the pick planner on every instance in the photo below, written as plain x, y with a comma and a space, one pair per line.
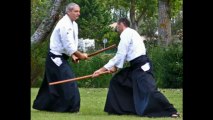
86, 67
38, 57
168, 65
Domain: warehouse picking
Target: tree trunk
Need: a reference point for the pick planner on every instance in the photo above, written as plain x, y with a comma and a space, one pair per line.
164, 23
48, 23
134, 22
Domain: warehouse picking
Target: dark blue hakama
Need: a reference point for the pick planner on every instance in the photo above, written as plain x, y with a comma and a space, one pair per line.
133, 91
60, 97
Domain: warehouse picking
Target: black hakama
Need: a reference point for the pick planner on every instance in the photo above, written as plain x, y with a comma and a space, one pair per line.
60, 97
133, 91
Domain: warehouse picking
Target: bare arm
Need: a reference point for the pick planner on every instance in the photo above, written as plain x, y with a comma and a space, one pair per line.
103, 69
80, 55
74, 58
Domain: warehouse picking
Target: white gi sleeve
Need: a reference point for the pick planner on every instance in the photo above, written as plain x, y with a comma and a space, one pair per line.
120, 57
67, 39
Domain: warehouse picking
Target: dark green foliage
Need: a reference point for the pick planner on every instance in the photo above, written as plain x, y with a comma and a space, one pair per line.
112, 37
149, 27
167, 62
177, 26
84, 67
38, 58
94, 20
87, 67
168, 65
176, 6
39, 10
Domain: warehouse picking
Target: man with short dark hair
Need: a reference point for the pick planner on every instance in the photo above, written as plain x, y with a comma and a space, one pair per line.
133, 89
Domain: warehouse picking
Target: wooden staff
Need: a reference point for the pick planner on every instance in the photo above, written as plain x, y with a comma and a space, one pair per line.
75, 79
99, 51
102, 50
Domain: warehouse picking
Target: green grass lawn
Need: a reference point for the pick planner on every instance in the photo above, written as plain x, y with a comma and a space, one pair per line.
92, 105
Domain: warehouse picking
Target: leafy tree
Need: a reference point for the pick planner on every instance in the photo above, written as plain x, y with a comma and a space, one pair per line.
47, 23
39, 10
135, 10
94, 20
177, 26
